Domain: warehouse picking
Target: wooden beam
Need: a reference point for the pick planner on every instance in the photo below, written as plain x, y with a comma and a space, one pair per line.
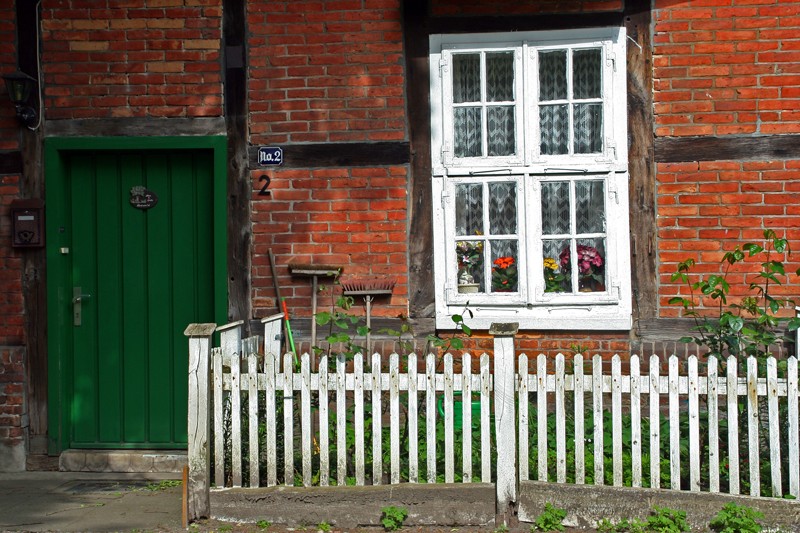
34, 280
523, 22
240, 187
420, 242
136, 127
349, 154
728, 147
641, 165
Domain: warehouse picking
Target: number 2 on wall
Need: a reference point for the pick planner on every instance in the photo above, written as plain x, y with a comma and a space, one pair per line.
264, 191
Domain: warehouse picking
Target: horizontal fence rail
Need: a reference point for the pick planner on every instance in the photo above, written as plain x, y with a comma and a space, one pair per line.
703, 425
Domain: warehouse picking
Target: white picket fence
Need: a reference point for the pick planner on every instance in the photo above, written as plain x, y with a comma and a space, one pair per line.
236, 382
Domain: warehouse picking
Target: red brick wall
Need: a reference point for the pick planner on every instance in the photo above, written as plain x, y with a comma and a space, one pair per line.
355, 218
727, 67
11, 331
12, 405
708, 208
157, 58
326, 71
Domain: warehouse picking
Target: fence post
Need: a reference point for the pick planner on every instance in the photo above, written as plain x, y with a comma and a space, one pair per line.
198, 499
505, 421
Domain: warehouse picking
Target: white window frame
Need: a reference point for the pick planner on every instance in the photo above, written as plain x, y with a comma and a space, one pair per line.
531, 306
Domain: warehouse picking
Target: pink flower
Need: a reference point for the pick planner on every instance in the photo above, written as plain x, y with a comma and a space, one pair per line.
588, 259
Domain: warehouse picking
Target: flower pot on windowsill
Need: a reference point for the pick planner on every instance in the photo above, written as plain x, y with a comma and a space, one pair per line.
467, 288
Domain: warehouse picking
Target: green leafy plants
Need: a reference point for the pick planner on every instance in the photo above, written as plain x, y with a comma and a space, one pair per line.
263, 524
454, 341
735, 518
623, 526
666, 520
550, 519
324, 527
341, 326
750, 325
392, 517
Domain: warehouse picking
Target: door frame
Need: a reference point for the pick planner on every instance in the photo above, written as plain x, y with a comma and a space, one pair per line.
59, 317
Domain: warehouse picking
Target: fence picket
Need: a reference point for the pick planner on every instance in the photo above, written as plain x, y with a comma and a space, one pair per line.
636, 422
486, 388
305, 416
236, 421
341, 421
561, 417
524, 403
413, 412
674, 425
752, 425
324, 435
358, 399
252, 411
394, 417
580, 432
694, 425
466, 418
218, 403
288, 420
449, 452
655, 429
793, 452
616, 419
541, 415
430, 414
712, 401
377, 426
774, 426
270, 370
597, 409
731, 386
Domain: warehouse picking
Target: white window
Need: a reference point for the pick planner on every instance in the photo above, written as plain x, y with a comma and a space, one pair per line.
530, 179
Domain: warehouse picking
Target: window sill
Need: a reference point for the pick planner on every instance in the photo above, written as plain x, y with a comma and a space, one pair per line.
549, 317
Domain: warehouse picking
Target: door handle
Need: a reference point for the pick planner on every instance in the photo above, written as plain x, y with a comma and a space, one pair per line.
77, 299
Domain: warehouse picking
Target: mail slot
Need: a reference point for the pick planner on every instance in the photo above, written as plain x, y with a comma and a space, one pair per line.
27, 223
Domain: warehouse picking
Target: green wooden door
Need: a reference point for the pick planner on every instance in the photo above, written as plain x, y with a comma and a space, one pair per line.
141, 275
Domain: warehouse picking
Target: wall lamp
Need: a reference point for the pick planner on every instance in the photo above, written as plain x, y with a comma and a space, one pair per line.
19, 86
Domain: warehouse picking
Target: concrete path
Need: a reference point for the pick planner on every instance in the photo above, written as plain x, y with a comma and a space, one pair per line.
81, 501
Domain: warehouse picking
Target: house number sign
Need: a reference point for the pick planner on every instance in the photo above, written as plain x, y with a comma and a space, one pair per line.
270, 156
142, 198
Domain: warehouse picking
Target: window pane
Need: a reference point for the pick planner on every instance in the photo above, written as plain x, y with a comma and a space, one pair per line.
469, 255
588, 124
591, 265
590, 216
469, 209
554, 124
467, 125
504, 266
555, 208
502, 208
501, 131
500, 77
557, 275
466, 78
553, 75
586, 73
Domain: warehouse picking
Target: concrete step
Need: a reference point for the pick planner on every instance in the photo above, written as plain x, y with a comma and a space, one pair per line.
154, 461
